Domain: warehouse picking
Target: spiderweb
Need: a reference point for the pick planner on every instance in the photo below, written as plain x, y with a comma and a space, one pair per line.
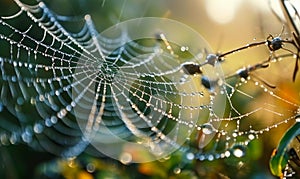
65, 92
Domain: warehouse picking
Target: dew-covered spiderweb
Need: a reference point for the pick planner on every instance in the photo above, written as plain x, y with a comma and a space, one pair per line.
65, 92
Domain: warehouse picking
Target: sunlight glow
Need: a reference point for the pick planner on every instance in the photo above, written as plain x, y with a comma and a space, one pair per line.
222, 11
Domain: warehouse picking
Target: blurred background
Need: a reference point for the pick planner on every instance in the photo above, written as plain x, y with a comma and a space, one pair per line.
226, 25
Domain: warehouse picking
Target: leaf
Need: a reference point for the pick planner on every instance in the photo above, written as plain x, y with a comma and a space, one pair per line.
279, 157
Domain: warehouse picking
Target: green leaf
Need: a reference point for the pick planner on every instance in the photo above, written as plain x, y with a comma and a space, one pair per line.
279, 158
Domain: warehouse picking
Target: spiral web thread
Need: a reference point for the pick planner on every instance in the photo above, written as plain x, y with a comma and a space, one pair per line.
40, 72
